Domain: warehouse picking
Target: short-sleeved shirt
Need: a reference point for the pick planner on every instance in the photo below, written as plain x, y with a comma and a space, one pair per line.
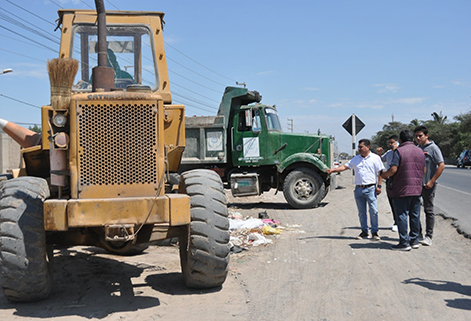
366, 168
387, 157
433, 157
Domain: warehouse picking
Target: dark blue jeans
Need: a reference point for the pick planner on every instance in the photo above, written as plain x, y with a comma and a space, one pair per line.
428, 196
407, 207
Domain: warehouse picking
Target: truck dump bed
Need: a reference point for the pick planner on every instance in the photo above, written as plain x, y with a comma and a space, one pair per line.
205, 140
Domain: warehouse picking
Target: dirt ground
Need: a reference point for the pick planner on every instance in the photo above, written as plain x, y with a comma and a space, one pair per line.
315, 270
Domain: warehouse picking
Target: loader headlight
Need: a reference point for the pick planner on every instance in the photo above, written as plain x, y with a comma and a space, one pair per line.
59, 120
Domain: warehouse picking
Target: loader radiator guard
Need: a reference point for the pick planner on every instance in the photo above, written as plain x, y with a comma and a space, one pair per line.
117, 144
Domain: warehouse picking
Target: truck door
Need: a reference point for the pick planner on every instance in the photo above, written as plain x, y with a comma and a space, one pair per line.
252, 143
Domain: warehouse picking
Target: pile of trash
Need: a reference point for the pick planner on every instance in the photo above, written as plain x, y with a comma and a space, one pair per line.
251, 231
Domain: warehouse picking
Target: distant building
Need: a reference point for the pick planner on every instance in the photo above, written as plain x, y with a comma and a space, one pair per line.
10, 156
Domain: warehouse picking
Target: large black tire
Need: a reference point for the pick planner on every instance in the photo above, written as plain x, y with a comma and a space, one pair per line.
124, 248
204, 250
25, 268
304, 188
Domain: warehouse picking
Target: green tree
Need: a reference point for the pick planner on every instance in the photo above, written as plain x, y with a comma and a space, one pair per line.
35, 128
392, 128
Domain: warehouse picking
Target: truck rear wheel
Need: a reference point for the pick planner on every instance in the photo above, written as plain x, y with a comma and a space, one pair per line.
24, 266
204, 250
303, 188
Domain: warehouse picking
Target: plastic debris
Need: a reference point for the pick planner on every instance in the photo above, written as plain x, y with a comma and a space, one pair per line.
268, 230
251, 223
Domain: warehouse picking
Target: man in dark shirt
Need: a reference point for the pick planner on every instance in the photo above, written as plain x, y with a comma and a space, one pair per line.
404, 186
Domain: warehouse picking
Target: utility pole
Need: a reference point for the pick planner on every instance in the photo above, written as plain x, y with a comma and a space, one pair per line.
290, 124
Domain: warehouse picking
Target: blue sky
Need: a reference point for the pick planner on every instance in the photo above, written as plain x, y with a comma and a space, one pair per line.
318, 61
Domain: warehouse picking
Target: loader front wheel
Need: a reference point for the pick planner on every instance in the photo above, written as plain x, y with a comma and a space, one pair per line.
303, 188
204, 249
25, 269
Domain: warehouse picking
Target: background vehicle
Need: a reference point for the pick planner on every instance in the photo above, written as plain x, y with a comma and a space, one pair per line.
464, 159
98, 174
246, 146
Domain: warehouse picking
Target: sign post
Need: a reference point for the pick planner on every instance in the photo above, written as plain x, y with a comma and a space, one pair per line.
353, 125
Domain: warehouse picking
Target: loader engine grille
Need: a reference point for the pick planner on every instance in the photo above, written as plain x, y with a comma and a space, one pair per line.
117, 144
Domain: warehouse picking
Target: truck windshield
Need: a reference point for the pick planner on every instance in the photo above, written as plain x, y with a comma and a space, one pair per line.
129, 54
273, 122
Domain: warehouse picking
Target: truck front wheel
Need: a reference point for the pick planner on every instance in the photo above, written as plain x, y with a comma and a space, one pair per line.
204, 249
25, 269
303, 188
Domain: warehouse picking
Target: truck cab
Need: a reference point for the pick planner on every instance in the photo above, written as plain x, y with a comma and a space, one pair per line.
255, 155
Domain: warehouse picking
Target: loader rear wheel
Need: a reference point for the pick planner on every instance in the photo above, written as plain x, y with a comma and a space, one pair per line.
25, 268
204, 250
124, 248
303, 188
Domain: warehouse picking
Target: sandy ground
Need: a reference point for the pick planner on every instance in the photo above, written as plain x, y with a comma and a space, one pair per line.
317, 270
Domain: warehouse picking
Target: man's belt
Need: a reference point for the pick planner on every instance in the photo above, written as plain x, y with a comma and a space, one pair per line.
365, 186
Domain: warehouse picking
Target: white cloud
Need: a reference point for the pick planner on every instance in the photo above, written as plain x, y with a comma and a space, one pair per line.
385, 88
171, 39
265, 73
409, 101
461, 83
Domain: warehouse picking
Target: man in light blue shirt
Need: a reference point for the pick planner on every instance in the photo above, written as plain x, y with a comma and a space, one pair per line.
368, 181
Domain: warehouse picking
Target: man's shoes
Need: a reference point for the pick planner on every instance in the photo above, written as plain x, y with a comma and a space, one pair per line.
376, 236
394, 228
415, 245
363, 235
420, 238
427, 241
400, 247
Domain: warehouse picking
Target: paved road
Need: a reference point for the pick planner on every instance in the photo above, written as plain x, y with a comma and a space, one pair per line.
453, 198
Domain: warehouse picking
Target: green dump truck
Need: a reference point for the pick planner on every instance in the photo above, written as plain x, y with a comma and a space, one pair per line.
245, 145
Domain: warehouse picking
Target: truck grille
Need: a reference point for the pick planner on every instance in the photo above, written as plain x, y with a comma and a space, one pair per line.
117, 144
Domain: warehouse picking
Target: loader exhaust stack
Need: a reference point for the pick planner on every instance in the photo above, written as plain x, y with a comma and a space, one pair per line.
102, 75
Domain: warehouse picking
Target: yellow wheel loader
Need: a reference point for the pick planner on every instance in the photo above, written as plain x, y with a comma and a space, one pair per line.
100, 173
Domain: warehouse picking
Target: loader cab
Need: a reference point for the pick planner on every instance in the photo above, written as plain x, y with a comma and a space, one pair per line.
135, 49
126, 48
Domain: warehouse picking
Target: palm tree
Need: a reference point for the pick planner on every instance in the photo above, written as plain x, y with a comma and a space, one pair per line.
415, 122
439, 119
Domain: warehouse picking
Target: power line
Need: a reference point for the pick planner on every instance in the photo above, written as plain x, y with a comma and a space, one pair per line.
46, 33
217, 91
30, 12
29, 44
194, 92
19, 34
20, 101
18, 54
166, 43
181, 65
112, 4
57, 4
193, 100
86, 4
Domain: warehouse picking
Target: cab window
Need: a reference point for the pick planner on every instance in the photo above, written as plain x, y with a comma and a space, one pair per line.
249, 120
273, 121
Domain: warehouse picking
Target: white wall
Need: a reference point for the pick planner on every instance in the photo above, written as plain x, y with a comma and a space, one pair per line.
10, 156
